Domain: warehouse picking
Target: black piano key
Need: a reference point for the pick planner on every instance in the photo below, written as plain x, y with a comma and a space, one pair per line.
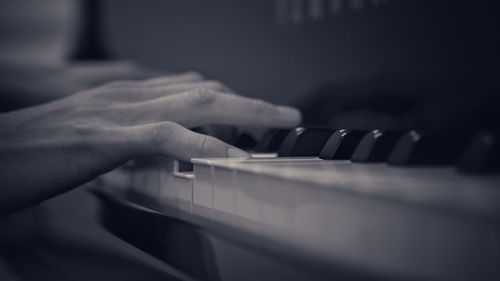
304, 142
271, 141
342, 144
376, 146
245, 141
428, 148
481, 155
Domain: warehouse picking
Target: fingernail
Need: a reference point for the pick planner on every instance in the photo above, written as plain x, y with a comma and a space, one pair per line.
237, 153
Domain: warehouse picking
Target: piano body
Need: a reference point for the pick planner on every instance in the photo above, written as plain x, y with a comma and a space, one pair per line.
400, 183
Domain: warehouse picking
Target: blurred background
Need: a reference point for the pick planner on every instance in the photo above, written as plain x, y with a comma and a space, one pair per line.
277, 53
36, 31
382, 59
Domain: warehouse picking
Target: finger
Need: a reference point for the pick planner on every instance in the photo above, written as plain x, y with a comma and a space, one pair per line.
172, 140
98, 73
134, 91
203, 107
187, 77
223, 132
178, 78
189, 86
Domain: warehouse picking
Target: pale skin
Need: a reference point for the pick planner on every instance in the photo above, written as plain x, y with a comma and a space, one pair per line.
51, 148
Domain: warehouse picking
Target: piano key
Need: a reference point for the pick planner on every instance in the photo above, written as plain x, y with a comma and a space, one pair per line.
277, 198
277, 208
427, 148
176, 179
272, 140
245, 141
168, 191
376, 146
202, 192
342, 144
304, 142
482, 154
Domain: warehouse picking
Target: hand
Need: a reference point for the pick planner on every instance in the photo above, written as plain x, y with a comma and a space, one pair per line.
24, 85
48, 149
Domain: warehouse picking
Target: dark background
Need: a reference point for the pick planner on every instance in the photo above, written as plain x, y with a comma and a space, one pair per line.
242, 43
373, 63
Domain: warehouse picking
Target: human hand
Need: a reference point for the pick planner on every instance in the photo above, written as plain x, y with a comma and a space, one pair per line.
51, 148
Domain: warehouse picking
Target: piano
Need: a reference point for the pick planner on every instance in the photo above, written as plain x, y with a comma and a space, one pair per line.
394, 174
303, 217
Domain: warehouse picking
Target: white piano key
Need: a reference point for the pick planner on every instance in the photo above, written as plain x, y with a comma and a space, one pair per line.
340, 226
372, 216
177, 189
307, 223
224, 195
240, 200
271, 155
202, 191
274, 204
247, 206
353, 233
184, 185
267, 200
168, 191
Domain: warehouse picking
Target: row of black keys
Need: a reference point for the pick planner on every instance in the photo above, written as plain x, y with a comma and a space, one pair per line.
476, 154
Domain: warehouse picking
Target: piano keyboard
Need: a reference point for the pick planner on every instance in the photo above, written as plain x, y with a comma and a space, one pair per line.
392, 203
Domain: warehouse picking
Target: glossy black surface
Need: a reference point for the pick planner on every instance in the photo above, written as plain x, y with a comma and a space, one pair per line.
482, 154
272, 140
428, 148
305, 142
245, 141
376, 146
342, 144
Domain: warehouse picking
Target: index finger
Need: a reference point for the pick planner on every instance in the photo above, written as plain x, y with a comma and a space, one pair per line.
204, 107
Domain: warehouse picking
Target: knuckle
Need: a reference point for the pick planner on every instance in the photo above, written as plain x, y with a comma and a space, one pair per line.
118, 84
201, 97
216, 85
